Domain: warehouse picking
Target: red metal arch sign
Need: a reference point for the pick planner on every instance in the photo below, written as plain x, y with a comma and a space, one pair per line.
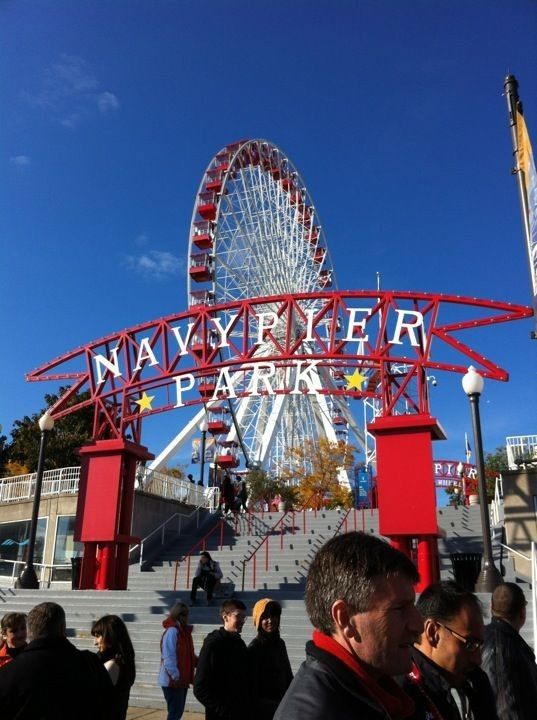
354, 343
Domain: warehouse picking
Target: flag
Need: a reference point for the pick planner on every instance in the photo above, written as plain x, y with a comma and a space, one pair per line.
467, 448
195, 451
209, 449
526, 165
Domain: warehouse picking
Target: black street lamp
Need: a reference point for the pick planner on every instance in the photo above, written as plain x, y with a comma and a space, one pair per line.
489, 578
203, 430
28, 578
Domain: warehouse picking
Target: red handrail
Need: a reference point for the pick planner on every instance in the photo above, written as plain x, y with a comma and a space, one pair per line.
265, 539
267, 536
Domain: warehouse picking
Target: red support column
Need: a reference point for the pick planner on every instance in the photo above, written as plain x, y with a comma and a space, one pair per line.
405, 485
104, 511
402, 543
89, 567
427, 562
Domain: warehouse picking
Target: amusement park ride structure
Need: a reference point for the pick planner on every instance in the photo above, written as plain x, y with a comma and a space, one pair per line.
273, 353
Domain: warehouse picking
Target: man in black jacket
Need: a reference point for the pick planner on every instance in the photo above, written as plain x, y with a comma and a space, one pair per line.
221, 682
51, 679
360, 599
507, 659
446, 682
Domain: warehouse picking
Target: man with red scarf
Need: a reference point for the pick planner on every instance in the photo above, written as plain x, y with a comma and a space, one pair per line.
360, 600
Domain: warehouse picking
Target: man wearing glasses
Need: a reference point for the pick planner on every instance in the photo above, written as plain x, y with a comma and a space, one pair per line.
446, 681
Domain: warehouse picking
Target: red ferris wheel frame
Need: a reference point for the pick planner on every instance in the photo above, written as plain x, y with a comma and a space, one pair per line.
386, 337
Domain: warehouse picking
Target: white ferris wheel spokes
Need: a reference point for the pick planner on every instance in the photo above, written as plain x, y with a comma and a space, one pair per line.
255, 233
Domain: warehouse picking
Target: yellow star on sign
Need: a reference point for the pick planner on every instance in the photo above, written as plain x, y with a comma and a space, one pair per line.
355, 381
145, 402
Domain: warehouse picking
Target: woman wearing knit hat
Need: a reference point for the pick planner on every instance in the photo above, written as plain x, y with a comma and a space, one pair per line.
269, 663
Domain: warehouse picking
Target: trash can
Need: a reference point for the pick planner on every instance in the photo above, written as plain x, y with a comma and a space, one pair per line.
76, 567
466, 568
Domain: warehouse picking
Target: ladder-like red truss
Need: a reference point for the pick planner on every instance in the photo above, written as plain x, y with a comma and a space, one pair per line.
391, 338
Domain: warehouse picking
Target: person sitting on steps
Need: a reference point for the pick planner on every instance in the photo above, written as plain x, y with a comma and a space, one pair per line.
207, 576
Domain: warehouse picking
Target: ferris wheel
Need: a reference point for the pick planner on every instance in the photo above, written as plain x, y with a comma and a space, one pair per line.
256, 233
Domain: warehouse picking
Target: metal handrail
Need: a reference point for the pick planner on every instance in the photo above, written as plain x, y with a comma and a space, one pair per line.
219, 525
497, 503
343, 521
269, 532
43, 579
532, 559
162, 528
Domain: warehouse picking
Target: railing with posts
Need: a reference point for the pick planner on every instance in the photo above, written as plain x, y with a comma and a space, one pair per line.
65, 480
55, 482
496, 506
266, 540
45, 572
161, 530
167, 486
200, 545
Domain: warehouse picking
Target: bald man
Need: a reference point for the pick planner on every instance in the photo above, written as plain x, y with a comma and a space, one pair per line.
507, 659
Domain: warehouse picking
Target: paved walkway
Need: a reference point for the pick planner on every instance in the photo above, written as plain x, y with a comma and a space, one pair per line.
134, 713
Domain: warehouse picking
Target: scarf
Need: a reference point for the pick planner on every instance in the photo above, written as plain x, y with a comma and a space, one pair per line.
385, 691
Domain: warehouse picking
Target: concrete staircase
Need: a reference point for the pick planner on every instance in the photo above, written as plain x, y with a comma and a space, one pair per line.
150, 593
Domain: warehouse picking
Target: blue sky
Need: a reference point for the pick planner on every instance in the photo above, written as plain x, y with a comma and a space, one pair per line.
391, 111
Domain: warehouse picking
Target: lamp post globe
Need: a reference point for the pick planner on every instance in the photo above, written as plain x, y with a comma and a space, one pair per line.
489, 577
473, 383
28, 578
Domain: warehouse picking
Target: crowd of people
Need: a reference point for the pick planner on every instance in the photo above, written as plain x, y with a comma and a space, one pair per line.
375, 653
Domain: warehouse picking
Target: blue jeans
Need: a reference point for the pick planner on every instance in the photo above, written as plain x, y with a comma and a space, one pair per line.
175, 700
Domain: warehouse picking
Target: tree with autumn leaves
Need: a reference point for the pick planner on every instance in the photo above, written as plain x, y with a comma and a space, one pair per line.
315, 468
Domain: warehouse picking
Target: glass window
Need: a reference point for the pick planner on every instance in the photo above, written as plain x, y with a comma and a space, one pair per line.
14, 539
65, 547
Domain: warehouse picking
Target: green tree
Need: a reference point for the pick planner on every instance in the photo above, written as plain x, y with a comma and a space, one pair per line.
63, 442
262, 487
497, 461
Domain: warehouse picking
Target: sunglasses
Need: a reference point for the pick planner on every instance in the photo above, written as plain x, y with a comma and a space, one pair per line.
471, 644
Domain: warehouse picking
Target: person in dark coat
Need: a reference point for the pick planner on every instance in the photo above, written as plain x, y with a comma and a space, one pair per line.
222, 680
446, 682
51, 679
270, 668
242, 496
228, 494
207, 576
507, 658
360, 599
115, 650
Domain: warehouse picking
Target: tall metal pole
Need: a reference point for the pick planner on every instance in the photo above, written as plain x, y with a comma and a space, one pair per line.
28, 578
514, 107
489, 578
202, 458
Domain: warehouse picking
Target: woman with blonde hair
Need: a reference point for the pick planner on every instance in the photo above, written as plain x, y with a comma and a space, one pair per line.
115, 649
177, 660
